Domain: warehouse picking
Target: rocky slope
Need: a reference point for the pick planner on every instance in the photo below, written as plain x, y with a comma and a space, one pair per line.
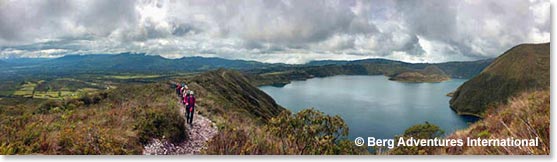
522, 68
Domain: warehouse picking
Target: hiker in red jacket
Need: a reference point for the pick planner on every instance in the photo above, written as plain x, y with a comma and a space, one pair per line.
190, 107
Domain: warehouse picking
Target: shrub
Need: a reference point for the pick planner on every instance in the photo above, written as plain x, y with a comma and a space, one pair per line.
159, 123
419, 131
309, 132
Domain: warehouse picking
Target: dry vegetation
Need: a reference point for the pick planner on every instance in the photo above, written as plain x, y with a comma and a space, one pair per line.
526, 116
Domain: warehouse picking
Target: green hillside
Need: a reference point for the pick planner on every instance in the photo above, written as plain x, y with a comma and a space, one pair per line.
522, 68
230, 92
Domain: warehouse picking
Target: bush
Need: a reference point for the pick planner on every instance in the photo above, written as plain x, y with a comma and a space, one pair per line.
419, 131
309, 132
48, 105
159, 123
93, 99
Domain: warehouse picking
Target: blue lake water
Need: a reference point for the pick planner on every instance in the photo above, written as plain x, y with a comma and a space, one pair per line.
373, 106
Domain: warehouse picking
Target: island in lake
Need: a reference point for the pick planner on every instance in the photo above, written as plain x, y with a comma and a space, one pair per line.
429, 74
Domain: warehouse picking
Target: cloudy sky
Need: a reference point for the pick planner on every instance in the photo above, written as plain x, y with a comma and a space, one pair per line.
283, 31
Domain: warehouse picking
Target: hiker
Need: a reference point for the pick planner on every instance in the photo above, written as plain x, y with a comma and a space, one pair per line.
182, 91
190, 107
185, 90
183, 99
178, 88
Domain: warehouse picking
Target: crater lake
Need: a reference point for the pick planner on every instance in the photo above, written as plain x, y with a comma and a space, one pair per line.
373, 106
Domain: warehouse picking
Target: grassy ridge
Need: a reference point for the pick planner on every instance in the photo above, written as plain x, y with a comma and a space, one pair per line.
233, 92
522, 68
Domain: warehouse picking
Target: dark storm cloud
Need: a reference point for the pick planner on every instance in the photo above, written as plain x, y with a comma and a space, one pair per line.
290, 31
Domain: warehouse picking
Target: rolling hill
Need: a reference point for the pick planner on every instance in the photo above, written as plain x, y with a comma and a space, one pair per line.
522, 68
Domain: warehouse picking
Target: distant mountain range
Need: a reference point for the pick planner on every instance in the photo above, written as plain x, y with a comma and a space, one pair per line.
142, 63
281, 75
134, 63
455, 69
120, 63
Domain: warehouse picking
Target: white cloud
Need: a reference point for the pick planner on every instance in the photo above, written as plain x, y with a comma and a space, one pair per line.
292, 31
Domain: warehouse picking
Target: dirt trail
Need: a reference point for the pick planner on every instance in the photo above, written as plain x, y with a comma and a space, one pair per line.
203, 130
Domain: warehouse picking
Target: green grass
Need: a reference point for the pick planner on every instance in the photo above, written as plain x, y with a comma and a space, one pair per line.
57, 89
